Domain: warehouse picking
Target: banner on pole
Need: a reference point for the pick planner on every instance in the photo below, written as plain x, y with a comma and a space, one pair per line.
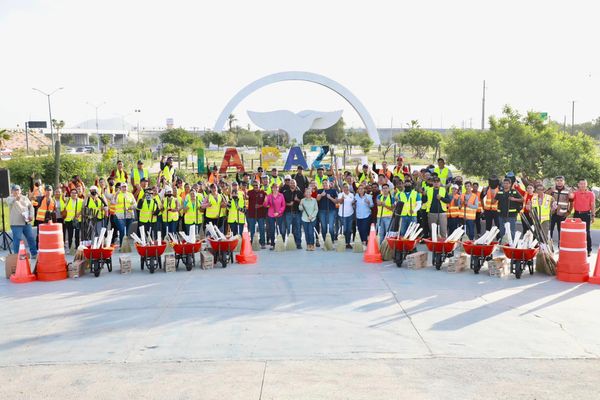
201, 165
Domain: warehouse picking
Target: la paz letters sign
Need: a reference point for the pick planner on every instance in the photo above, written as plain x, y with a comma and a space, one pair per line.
270, 156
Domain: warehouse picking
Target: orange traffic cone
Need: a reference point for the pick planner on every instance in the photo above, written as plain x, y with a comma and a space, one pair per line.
372, 255
596, 277
246, 256
23, 272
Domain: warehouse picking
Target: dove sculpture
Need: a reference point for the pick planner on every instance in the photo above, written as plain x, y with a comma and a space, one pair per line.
295, 124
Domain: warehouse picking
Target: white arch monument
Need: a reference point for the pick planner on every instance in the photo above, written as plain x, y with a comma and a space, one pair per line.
300, 76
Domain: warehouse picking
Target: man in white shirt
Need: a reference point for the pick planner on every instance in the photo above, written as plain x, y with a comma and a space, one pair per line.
346, 212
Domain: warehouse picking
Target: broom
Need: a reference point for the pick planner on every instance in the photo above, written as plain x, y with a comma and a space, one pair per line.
126, 246
255, 242
386, 252
358, 246
290, 243
279, 244
328, 244
341, 243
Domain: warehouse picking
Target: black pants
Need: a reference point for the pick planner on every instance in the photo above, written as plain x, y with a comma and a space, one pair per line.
555, 220
478, 223
423, 222
491, 217
72, 233
587, 218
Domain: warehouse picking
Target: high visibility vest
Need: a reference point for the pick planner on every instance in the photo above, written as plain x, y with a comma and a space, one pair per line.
147, 212
120, 176
453, 208
363, 177
388, 201
140, 194
223, 211
124, 201
137, 176
319, 181
429, 191
275, 179
43, 207
37, 192
96, 205
168, 173
111, 206
72, 209
267, 189
543, 210
170, 216
443, 174
410, 202
193, 215
487, 200
513, 205
180, 192
399, 172
214, 206
467, 212
235, 215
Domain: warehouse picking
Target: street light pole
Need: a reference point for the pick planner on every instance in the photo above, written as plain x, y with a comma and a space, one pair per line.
97, 130
573, 117
137, 110
55, 141
483, 108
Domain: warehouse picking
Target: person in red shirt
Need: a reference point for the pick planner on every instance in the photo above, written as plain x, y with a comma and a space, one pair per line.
584, 204
257, 212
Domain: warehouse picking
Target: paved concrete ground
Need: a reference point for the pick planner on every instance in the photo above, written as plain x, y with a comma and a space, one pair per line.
300, 325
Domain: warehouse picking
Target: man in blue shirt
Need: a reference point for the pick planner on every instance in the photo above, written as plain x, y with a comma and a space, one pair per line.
327, 210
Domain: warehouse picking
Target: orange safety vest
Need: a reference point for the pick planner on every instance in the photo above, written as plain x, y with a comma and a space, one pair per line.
45, 206
111, 207
37, 192
468, 213
487, 203
453, 209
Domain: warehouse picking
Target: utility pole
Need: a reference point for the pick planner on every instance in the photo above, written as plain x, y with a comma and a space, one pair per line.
55, 141
573, 117
483, 108
565, 124
138, 122
97, 130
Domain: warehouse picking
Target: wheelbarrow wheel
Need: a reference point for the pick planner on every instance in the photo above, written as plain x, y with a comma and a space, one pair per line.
97, 268
189, 262
151, 265
518, 269
399, 259
437, 261
530, 265
223, 259
476, 264
109, 265
142, 261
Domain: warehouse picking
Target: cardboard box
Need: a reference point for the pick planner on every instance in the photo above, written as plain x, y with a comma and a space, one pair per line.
416, 260
10, 264
73, 270
458, 263
207, 260
82, 266
125, 264
169, 263
499, 267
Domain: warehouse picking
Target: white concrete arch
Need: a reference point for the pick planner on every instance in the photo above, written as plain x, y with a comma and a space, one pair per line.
300, 76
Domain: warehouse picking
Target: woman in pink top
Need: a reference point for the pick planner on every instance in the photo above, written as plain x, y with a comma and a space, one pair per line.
275, 203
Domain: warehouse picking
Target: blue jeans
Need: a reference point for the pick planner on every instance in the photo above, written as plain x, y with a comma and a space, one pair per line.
293, 226
405, 222
513, 226
327, 220
122, 227
470, 228
363, 225
23, 230
236, 229
309, 232
261, 229
384, 227
347, 227
271, 222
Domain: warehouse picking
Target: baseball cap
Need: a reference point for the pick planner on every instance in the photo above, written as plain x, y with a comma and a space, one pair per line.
140, 162
48, 187
16, 187
285, 178
92, 188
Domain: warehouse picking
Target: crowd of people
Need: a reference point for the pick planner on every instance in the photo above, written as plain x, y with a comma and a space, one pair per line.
314, 203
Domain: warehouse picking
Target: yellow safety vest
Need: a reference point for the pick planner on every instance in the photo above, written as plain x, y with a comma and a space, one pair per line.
319, 181
429, 191
214, 208
544, 210
120, 176
147, 212
95, 205
235, 215
385, 212
443, 174
170, 216
275, 179
137, 177
72, 209
193, 215
124, 201
223, 211
410, 202
168, 173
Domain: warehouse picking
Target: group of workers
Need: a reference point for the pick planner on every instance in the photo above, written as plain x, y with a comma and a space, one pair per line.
318, 202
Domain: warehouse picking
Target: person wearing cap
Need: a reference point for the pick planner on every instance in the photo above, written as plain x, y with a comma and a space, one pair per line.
124, 210
72, 217
192, 211
139, 173
36, 190
292, 218
400, 169
46, 207
286, 183
442, 171
236, 213
301, 179
469, 204
97, 209
320, 177
264, 184
327, 198
140, 189
257, 212
411, 200
21, 214
168, 172
436, 200
564, 205
383, 170
213, 175
258, 175
365, 175
274, 178
212, 205
170, 211
148, 209
119, 173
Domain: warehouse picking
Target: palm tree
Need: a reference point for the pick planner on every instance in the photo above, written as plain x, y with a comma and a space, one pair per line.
230, 120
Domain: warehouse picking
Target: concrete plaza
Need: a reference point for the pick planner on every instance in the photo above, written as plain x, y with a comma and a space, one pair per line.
300, 325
